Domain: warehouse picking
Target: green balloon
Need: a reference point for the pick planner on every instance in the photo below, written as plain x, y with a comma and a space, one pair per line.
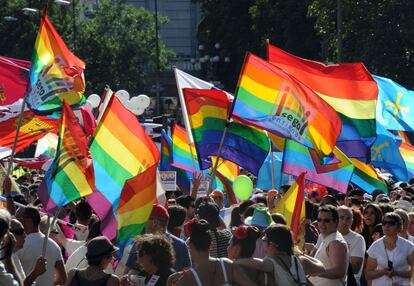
243, 187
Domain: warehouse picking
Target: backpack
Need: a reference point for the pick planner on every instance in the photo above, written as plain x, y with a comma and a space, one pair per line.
294, 279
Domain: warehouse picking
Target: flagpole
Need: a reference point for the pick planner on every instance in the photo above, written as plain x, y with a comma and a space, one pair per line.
48, 231
185, 118
213, 172
273, 169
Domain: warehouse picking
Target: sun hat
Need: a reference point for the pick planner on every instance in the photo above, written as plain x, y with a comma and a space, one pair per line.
99, 247
261, 218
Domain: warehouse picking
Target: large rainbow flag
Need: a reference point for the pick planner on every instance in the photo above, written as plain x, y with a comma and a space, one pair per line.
55, 73
271, 99
247, 146
71, 176
365, 177
348, 87
121, 151
334, 171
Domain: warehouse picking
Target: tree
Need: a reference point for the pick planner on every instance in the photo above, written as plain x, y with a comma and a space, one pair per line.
244, 25
377, 32
117, 43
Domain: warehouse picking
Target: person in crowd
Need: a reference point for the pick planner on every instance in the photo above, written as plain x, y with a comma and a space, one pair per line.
390, 258
331, 249
155, 256
328, 200
218, 198
355, 241
207, 270
8, 273
243, 245
358, 221
355, 198
220, 237
372, 216
187, 202
177, 216
280, 264
157, 224
99, 256
235, 219
55, 271
405, 222
83, 213
377, 233
411, 223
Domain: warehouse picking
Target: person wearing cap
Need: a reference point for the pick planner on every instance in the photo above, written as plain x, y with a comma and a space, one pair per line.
99, 256
157, 224
220, 237
218, 198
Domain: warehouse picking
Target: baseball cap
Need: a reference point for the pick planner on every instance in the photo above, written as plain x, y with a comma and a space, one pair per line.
217, 193
159, 212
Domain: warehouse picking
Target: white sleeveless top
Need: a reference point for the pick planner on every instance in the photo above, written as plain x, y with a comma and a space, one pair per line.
322, 256
223, 268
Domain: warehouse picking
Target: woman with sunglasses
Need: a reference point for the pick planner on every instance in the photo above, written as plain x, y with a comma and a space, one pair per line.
391, 258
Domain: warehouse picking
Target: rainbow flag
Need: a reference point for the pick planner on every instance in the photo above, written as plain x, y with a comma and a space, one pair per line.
121, 151
13, 81
244, 145
407, 152
183, 178
226, 173
71, 175
292, 206
181, 155
55, 73
348, 87
273, 100
366, 178
334, 171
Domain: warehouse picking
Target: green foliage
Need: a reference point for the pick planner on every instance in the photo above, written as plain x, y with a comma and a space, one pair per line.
377, 32
117, 42
244, 25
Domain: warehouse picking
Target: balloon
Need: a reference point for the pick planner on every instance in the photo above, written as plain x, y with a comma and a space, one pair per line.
94, 100
243, 187
123, 96
144, 101
138, 111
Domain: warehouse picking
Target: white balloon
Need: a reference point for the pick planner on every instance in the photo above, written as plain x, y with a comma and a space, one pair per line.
144, 100
138, 111
94, 100
123, 96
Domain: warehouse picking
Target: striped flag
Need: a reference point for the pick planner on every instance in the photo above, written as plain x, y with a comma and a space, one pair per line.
271, 99
71, 176
292, 206
365, 177
121, 151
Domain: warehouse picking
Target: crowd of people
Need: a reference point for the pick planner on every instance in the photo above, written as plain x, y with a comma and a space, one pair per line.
346, 239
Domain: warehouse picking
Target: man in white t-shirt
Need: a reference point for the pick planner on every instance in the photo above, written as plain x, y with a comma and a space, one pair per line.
355, 241
32, 249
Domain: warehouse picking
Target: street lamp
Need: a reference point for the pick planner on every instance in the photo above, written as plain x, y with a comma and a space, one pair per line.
210, 63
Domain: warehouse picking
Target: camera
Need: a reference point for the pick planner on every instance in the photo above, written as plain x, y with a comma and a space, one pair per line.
390, 266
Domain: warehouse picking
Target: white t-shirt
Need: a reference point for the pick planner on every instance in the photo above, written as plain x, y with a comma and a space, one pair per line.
32, 250
398, 256
73, 244
18, 266
357, 248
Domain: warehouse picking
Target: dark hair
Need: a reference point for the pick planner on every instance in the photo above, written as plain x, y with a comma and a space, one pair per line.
4, 221
159, 248
200, 235
248, 243
281, 236
378, 228
94, 227
330, 200
32, 213
260, 199
330, 209
177, 216
201, 200
83, 211
386, 207
244, 205
235, 219
185, 201
377, 210
279, 218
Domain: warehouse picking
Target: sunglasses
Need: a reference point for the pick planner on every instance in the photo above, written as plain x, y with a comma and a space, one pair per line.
325, 220
389, 222
18, 231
